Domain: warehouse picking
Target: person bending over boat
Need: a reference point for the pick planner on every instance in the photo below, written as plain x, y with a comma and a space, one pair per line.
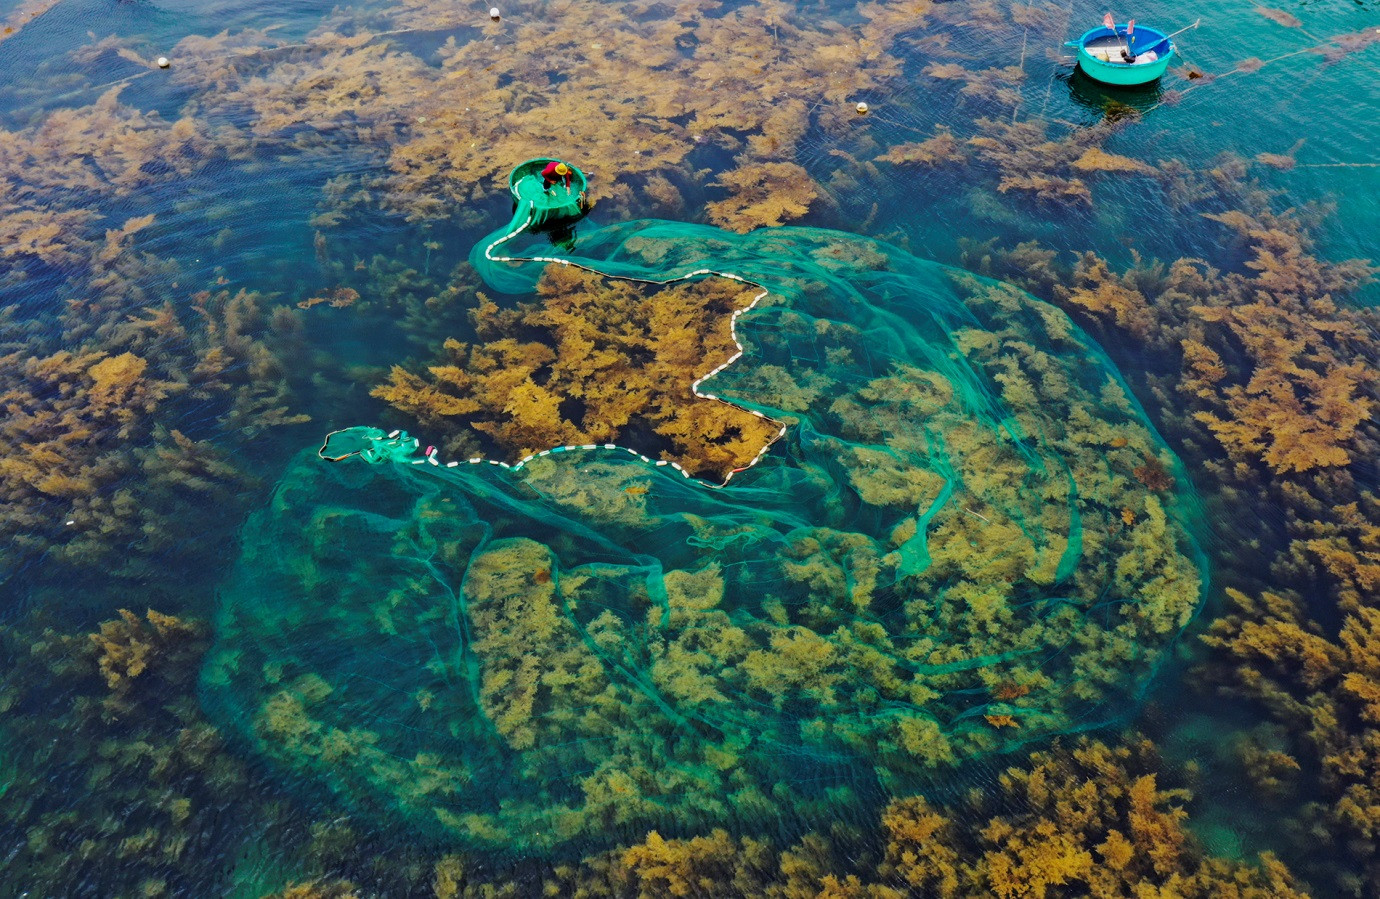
554, 172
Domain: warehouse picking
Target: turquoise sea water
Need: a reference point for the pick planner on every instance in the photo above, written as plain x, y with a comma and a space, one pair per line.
162, 384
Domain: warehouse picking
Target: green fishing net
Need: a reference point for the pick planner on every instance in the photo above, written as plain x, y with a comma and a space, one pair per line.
969, 539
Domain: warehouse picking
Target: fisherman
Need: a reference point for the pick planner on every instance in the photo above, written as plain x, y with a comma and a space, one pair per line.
554, 172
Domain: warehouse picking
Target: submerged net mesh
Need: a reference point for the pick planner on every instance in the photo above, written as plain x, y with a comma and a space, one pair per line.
968, 539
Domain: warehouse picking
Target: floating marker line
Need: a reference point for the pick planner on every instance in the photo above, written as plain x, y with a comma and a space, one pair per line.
431, 456
694, 386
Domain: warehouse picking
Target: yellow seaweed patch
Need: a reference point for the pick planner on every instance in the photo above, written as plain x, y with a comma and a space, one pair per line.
591, 360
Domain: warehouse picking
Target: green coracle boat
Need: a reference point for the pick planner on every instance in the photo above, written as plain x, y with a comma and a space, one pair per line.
1101, 56
548, 205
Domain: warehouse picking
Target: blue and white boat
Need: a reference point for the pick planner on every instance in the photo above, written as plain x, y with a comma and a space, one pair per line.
1124, 55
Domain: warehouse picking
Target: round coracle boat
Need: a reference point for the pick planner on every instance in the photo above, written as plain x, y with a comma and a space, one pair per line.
1123, 55
549, 203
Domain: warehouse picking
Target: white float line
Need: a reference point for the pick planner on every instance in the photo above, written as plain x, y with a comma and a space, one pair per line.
694, 387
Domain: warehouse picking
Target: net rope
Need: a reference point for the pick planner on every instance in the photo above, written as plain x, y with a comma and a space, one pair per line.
965, 538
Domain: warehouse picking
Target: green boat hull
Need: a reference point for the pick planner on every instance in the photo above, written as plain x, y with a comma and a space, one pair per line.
1099, 48
1119, 73
554, 204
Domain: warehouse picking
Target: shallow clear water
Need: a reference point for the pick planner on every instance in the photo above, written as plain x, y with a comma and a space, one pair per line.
315, 179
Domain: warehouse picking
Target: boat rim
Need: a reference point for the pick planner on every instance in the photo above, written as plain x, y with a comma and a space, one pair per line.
536, 164
1104, 31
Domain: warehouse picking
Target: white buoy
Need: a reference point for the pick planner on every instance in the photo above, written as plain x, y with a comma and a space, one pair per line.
163, 62
493, 13
862, 108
